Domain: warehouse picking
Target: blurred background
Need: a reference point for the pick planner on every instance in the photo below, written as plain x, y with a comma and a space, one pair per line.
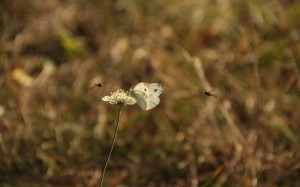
56, 131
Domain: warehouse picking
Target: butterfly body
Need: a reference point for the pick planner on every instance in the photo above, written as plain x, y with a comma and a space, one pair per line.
147, 94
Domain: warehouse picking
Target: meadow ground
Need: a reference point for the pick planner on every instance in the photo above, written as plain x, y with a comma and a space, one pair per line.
56, 131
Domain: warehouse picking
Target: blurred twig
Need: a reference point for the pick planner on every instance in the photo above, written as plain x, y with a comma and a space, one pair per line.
296, 68
256, 61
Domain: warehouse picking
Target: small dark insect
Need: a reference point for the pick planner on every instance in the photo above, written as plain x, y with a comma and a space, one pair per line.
210, 94
99, 85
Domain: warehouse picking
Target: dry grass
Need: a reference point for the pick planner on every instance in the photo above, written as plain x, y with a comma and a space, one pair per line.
56, 131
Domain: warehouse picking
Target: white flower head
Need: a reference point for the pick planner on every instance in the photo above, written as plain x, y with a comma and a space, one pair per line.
120, 97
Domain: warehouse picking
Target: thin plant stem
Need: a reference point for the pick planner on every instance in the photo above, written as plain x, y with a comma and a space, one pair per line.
112, 147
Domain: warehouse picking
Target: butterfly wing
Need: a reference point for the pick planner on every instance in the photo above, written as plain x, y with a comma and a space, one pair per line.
156, 89
152, 102
141, 87
140, 94
146, 95
142, 102
146, 103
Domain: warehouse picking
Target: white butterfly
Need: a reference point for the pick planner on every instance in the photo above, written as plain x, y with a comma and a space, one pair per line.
147, 94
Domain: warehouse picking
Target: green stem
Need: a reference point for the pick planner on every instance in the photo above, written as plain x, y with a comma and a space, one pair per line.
111, 149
